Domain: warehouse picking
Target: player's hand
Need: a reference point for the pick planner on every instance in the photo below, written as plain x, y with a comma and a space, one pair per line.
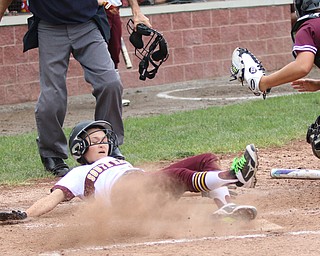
13, 215
306, 85
141, 18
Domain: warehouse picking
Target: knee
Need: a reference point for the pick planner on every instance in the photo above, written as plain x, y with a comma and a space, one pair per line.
210, 156
47, 110
212, 161
110, 86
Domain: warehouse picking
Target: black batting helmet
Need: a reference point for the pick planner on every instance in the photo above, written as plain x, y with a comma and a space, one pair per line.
78, 144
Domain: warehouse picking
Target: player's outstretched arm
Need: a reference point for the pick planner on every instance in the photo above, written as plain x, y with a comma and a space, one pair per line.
306, 85
40, 207
45, 204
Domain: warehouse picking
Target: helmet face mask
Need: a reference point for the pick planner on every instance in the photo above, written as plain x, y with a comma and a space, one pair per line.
304, 7
88, 136
150, 47
79, 140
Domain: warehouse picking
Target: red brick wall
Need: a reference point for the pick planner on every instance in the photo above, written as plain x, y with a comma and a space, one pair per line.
200, 47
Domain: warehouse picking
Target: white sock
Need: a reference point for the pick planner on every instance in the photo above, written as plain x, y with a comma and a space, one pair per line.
220, 194
213, 181
206, 181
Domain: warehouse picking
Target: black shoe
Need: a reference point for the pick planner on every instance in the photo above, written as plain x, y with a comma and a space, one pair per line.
55, 165
117, 154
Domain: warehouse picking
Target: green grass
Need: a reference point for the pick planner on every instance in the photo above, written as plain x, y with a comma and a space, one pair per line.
223, 129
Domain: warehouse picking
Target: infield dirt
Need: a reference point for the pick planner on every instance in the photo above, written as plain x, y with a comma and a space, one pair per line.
288, 218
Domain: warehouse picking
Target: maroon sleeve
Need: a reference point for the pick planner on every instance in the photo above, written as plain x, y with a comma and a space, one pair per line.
67, 193
308, 37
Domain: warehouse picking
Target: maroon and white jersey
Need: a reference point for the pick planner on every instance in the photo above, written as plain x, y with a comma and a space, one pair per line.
96, 179
307, 38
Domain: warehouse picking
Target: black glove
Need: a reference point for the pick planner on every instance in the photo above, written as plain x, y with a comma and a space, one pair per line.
13, 215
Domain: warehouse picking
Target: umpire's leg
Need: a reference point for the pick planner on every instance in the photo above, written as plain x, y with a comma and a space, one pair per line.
91, 51
54, 53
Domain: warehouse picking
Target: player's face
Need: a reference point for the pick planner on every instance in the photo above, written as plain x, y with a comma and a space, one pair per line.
98, 148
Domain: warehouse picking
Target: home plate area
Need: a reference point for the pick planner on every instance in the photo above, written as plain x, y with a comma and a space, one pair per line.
189, 222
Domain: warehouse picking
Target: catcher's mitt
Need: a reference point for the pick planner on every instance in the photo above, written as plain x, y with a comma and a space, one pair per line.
246, 67
13, 215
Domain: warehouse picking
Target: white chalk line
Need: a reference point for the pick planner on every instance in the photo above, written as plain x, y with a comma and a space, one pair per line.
185, 240
166, 95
